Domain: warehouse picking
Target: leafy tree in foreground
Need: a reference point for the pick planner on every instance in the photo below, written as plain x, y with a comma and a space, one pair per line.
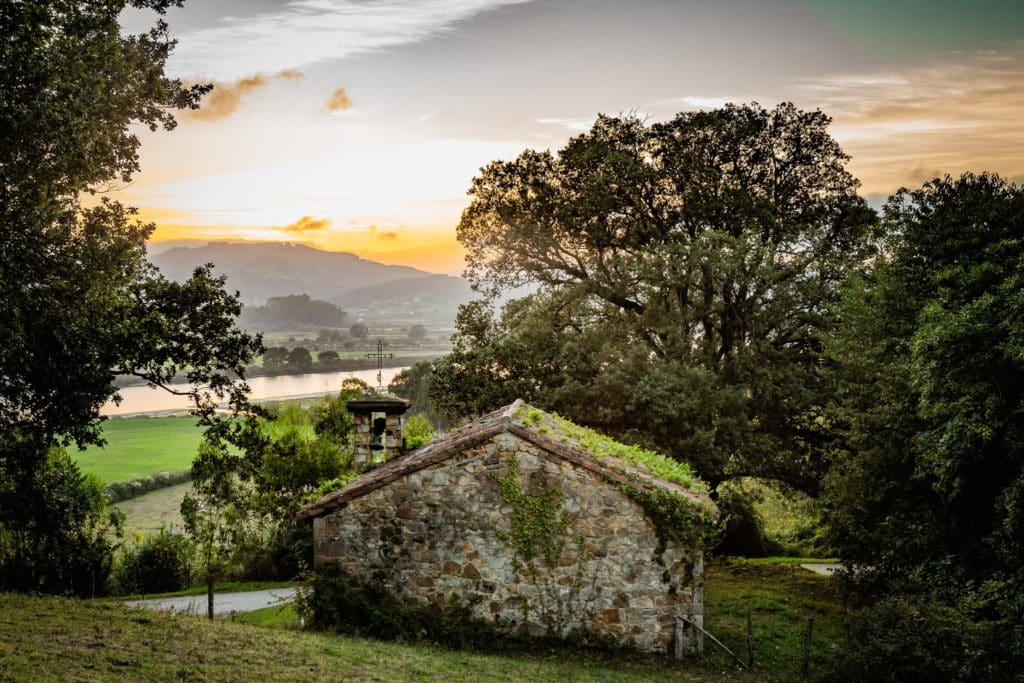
79, 304
685, 270
929, 499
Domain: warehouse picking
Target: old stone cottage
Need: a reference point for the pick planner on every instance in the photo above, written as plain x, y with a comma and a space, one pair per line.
536, 524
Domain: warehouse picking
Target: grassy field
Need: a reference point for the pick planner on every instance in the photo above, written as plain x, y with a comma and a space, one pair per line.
147, 513
49, 639
141, 446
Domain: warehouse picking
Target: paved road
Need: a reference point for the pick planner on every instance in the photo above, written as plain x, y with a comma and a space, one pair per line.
223, 603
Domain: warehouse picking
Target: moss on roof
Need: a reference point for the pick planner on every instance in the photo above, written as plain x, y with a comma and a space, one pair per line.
603, 447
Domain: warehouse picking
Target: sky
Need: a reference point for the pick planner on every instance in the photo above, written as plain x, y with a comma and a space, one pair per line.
357, 125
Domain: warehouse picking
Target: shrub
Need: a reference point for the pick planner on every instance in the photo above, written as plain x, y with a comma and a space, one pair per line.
162, 562
907, 639
337, 603
418, 431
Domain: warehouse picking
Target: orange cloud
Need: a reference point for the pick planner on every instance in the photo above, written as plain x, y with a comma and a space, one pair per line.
307, 224
225, 98
905, 127
339, 101
388, 236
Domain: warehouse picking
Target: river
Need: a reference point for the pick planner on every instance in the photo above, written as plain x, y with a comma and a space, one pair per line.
144, 399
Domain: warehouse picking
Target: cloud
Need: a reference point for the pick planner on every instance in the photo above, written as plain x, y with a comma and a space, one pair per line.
390, 236
571, 124
307, 224
304, 32
225, 98
903, 127
339, 101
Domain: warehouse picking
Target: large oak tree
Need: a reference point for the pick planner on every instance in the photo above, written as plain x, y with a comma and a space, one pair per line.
684, 270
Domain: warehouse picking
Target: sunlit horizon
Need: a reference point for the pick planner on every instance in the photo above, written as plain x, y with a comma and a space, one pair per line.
358, 126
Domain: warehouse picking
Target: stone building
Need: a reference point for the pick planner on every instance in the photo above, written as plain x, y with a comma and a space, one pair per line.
536, 525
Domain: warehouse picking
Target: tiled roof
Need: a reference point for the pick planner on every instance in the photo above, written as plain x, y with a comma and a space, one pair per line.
477, 432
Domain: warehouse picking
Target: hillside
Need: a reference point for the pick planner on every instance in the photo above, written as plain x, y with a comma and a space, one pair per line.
432, 297
270, 269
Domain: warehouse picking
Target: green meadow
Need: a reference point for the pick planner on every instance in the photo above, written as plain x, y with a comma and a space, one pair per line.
103, 641
141, 446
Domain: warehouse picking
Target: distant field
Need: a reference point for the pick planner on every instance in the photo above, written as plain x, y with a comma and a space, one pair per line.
141, 446
150, 511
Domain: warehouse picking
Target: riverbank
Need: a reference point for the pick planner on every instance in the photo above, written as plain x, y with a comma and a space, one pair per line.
138, 401
341, 365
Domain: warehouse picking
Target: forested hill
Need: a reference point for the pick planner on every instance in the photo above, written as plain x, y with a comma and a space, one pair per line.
261, 271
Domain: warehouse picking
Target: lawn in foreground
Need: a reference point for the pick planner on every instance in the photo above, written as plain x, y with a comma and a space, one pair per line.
57, 639
141, 446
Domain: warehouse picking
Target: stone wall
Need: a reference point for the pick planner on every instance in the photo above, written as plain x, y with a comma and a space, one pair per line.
363, 438
437, 534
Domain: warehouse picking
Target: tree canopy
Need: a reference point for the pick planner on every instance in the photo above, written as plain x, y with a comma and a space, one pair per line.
685, 271
79, 304
927, 496
931, 356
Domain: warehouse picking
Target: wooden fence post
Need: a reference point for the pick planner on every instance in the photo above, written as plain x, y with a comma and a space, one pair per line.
750, 641
805, 667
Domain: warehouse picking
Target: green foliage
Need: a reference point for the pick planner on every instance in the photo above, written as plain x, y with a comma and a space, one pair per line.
927, 499
80, 303
903, 639
742, 530
359, 331
331, 418
685, 272
417, 333
66, 543
603, 446
676, 517
539, 521
127, 490
299, 360
418, 430
413, 384
275, 358
162, 562
344, 604
328, 360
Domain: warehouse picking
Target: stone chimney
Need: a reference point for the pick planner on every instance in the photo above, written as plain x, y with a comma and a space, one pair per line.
378, 428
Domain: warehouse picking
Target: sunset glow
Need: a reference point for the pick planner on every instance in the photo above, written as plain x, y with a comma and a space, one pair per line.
357, 126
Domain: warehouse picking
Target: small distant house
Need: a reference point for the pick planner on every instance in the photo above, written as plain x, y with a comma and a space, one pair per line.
538, 526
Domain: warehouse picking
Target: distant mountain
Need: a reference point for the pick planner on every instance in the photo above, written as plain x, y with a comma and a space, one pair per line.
262, 270
432, 297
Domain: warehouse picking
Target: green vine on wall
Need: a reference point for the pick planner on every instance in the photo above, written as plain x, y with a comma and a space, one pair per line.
675, 519
538, 534
539, 520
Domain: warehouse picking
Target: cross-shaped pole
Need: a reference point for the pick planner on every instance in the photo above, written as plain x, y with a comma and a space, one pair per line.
380, 356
